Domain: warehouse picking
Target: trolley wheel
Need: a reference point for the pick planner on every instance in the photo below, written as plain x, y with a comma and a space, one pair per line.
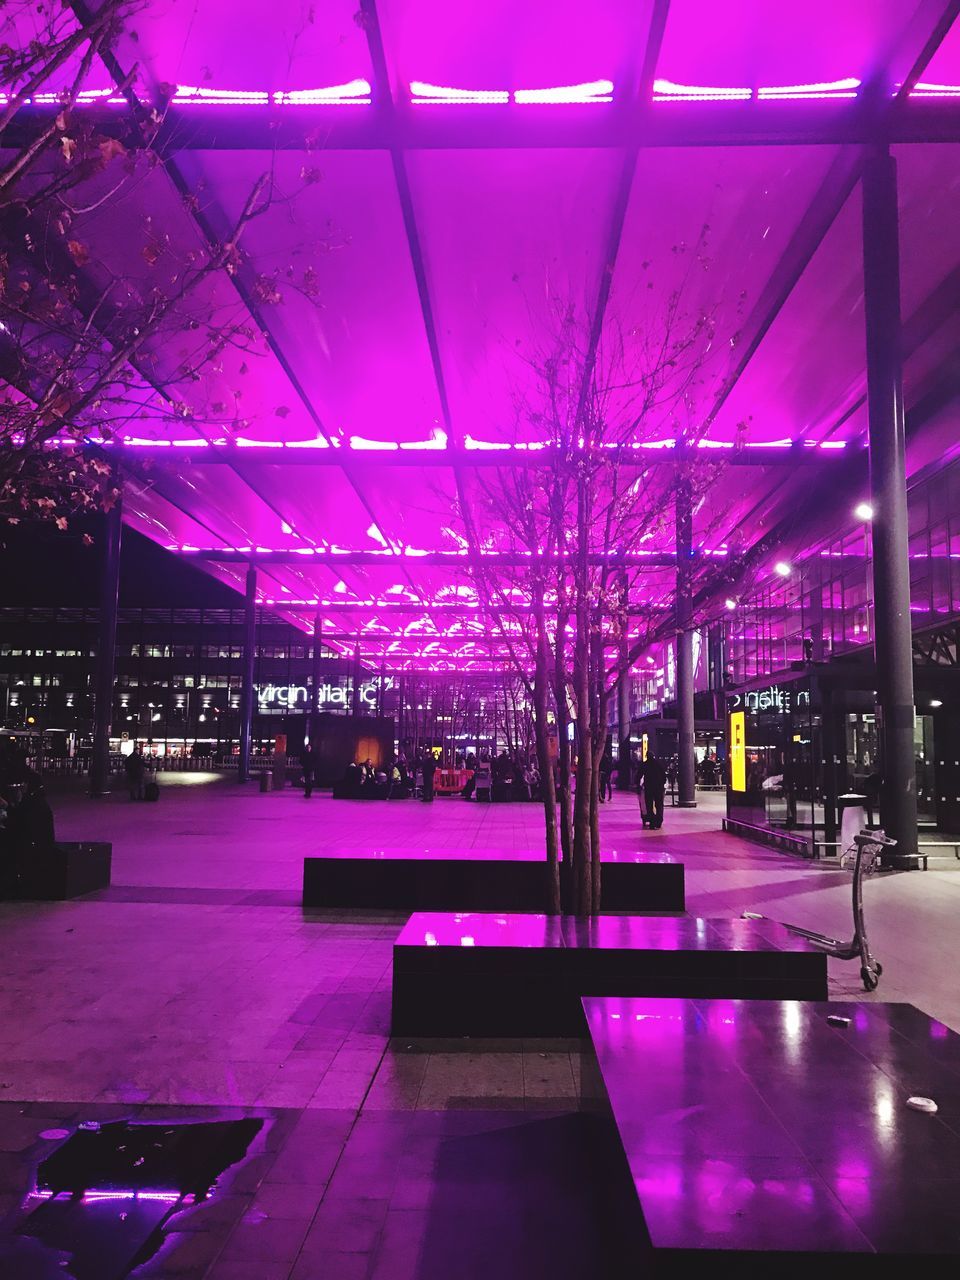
879, 968
870, 980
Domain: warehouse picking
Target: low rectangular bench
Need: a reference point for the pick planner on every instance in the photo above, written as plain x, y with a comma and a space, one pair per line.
755, 1133
524, 975
474, 880
69, 870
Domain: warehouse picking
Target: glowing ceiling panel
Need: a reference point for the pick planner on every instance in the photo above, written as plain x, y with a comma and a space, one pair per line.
350, 322
248, 46
942, 72
509, 237
754, 44
704, 231
809, 368
500, 47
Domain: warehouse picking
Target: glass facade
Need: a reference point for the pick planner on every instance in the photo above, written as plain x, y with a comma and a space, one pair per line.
826, 600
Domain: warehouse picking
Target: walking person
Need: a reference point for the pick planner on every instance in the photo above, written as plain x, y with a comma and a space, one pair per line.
134, 766
484, 779
429, 767
606, 777
309, 760
651, 785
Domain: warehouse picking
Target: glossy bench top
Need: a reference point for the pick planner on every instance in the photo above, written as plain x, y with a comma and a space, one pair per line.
391, 854
756, 1125
634, 933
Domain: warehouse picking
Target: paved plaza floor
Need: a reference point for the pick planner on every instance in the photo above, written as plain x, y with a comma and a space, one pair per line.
197, 982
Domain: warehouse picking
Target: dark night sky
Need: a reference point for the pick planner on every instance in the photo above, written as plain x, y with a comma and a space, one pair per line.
41, 566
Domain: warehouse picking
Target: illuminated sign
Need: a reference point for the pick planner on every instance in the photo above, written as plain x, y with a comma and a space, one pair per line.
292, 697
738, 751
774, 697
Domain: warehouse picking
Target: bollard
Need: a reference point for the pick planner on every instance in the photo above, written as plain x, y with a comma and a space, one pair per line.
266, 780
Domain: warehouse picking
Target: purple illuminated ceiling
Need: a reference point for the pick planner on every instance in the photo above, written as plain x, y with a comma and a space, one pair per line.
464, 168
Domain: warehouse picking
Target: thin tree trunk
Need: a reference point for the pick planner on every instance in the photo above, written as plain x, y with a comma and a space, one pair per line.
599, 725
581, 806
547, 792
563, 748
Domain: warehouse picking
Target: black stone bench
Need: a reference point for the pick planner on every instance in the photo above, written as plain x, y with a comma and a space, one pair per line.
524, 975
471, 880
755, 1133
68, 870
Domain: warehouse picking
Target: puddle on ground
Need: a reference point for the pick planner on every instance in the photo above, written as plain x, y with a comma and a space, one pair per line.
104, 1197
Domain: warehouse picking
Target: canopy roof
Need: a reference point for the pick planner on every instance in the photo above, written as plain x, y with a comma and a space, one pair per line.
460, 170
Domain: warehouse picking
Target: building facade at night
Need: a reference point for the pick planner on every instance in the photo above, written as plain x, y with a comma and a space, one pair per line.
178, 677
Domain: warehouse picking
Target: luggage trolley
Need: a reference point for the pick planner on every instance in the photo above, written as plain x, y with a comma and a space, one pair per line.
865, 854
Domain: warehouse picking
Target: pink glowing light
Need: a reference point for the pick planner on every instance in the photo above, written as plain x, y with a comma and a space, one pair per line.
437, 440
923, 89
353, 93
668, 91
593, 91
824, 89
422, 92
361, 443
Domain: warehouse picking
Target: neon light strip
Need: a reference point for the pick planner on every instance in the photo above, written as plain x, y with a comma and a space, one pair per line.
826, 89
423, 94
353, 93
593, 91
668, 91
436, 443
923, 89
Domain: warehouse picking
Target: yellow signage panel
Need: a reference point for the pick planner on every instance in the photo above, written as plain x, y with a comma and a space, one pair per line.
738, 751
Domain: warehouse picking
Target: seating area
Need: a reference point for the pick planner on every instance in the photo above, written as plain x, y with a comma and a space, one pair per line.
524, 975
778, 1134
466, 880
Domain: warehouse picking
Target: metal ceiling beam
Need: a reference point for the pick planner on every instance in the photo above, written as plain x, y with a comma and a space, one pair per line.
378, 607
621, 202
565, 127
180, 457
211, 240
309, 557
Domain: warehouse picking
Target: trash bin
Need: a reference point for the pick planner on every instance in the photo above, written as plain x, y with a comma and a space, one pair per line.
266, 780
853, 818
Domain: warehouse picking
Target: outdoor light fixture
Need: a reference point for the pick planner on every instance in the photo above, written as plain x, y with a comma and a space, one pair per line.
935, 702
863, 511
729, 603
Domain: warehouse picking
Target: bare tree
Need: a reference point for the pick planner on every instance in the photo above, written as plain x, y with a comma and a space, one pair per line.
575, 602
108, 313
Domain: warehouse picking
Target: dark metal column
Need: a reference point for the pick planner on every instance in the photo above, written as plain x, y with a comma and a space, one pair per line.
624, 762
355, 696
249, 661
686, 778
106, 651
888, 486
316, 675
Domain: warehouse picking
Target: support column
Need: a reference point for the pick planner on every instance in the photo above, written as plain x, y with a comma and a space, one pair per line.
106, 651
249, 661
624, 761
686, 777
893, 637
355, 698
316, 674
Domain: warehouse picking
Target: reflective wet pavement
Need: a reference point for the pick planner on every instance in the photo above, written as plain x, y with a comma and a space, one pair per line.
197, 986
752, 1126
